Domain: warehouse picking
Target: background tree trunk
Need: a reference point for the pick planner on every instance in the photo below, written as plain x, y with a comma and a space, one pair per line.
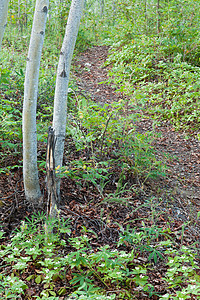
62, 80
158, 16
30, 170
3, 18
102, 4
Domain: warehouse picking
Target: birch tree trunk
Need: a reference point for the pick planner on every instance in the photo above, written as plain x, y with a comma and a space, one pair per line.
158, 16
102, 4
62, 80
18, 15
30, 170
3, 18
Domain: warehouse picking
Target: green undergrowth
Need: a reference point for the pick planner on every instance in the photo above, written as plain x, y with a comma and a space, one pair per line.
103, 145
12, 78
158, 79
42, 253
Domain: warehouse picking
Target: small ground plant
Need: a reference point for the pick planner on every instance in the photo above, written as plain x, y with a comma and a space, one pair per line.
36, 260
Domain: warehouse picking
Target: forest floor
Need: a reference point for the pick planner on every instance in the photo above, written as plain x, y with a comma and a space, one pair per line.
173, 199
181, 187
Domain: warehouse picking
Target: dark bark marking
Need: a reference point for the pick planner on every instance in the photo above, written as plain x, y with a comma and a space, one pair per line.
44, 9
63, 74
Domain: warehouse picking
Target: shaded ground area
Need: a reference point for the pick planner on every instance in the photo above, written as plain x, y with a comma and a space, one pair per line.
174, 198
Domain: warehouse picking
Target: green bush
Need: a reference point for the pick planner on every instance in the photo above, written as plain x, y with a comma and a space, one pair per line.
106, 137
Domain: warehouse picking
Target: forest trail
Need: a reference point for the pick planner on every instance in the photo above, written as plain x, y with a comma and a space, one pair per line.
181, 186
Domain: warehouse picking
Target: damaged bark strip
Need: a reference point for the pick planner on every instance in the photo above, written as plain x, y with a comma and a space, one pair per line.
51, 175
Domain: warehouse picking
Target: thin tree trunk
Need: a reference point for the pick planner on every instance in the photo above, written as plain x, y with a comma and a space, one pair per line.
3, 18
113, 11
26, 16
145, 15
18, 15
158, 16
30, 170
62, 80
102, 4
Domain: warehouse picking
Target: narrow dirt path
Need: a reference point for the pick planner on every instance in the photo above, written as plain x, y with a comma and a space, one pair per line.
91, 73
181, 186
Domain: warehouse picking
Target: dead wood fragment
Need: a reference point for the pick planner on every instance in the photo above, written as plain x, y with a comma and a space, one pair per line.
52, 203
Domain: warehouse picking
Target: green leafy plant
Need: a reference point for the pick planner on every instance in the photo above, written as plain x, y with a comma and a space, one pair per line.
144, 240
161, 84
107, 139
11, 287
92, 273
182, 269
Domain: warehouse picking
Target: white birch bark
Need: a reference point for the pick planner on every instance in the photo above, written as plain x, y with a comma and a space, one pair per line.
30, 170
62, 80
3, 18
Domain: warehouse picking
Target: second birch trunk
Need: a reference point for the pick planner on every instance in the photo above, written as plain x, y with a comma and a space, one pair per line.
62, 80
